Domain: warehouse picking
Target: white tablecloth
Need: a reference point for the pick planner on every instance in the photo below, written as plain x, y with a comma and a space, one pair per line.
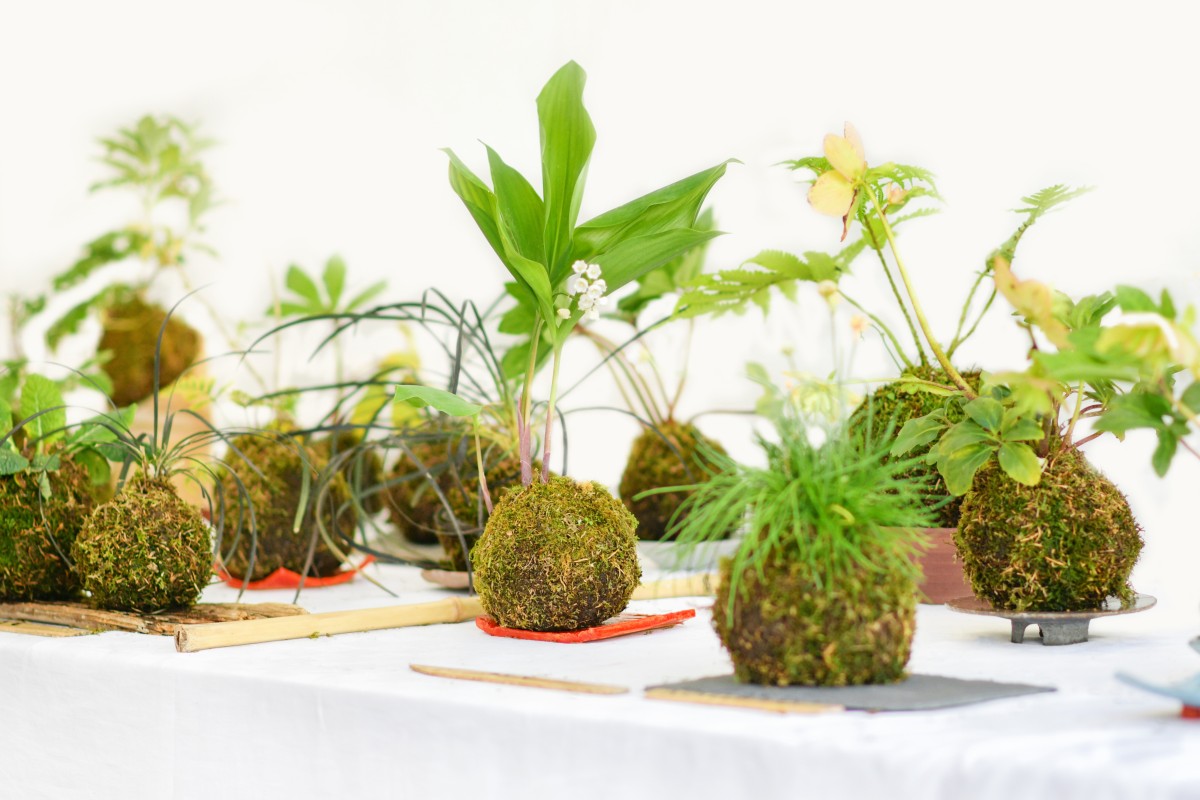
124, 716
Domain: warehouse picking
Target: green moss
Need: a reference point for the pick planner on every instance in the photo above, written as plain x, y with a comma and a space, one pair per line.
901, 402
653, 464
146, 550
788, 627
412, 504
36, 534
1066, 544
557, 556
131, 336
362, 467
468, 507
275, 496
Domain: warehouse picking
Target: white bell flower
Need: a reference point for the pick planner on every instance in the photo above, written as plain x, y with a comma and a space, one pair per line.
586, 301
579, 267
593, 271
577, 285
564, 313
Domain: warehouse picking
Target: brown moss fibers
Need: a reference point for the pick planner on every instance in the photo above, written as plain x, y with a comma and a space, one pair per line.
668, 456
788, 627
557, 556
131, 335
145, 550
1066, 544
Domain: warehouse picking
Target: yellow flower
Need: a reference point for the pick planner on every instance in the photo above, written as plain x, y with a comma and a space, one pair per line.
835, 191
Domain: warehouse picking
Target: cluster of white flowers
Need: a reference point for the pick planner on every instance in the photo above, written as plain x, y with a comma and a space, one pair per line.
588, 288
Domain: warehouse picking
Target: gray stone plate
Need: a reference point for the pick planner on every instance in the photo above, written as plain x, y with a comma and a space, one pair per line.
914, 693
1056, 627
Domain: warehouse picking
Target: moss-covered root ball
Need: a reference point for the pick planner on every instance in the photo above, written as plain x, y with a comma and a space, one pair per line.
274, 493
788, 627
412, 504
361, 466
897, 403
557, 556
668, 456
36, 534
467, 505
145, 550
131, 336
1066, 544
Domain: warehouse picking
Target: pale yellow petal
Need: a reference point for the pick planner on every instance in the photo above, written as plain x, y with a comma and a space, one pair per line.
831, 194
1031, 299
844, 158
851, 134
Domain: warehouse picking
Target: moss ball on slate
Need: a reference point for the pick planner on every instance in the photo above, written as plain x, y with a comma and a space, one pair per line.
274, 496
897, 403
790, 626
668, 456
145, 550
1066, 544
36, 533
131, 336
557, 556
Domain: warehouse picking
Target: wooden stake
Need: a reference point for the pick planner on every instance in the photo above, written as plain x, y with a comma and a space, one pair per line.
518, 680
164, 623
39, 629
191, 638
758, 704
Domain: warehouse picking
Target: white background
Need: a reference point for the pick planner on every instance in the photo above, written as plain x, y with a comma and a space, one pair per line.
329, 117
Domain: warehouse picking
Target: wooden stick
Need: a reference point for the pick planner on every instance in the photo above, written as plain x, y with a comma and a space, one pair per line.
78, 615
40, 629
758, 704
518, 680
702, 585
191, 638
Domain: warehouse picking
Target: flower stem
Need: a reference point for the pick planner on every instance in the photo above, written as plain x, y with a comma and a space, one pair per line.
524, 431
558, 346
938, 352
877, 246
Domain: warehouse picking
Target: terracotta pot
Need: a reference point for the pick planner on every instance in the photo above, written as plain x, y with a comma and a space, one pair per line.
944, 578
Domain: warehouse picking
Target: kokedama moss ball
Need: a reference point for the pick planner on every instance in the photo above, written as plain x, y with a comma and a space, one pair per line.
36, 534
362, 467
145, 550
557, 556
275, 496
411, 503
1066, 544
468, 505
789, 626
131, 336
897, 403
654, 464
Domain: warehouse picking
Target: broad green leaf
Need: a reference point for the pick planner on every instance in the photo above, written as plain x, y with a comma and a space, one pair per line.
959, 468
334, 279
6, 416
443, 401
96, 465
919, 432
1135, 410
1191, 397
12, 462
518, 320
521, 210
1164, 452
633, 258
986, 412
40, 394
674, 206
303, 287
963, 435
366, 295
531, 275
1020, 429
479, 200
1132, 299
567, 138
1020, 463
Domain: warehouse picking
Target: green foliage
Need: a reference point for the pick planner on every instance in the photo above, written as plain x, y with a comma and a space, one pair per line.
671, 278
306, 297
427, 396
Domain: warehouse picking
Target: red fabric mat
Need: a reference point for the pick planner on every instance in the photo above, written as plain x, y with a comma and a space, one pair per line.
620, 625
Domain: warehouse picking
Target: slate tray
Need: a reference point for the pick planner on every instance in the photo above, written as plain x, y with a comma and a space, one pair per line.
915, 693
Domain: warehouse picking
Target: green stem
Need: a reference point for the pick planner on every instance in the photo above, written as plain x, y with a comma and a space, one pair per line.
558, 346
683, 375
878, 323
523, 420
938, 352
877, 246
1075, 414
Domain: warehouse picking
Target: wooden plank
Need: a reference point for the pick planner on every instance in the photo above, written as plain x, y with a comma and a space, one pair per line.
757, 704
528, 681
78, 615
39, 629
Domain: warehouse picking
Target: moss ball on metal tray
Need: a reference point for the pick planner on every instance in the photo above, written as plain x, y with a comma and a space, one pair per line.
36, 533
897, 403
131, 335
144, 550
1065, 544
790, 627
557, 556
274, 493
667, 456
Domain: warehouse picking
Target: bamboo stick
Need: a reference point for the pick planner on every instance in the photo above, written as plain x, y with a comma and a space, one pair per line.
756, 703
163, 623
192, 638
40, 629
529, 681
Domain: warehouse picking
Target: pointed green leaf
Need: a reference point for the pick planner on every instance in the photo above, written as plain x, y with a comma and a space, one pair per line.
1191, 397
366, 296
919, 432
520, 208
334, 279
1020, 462
986, 412
302, 286
96, 465
479, 200
12, 462
633, 258
443, 401
1168, 442
959, 468
567, 138
1020, 429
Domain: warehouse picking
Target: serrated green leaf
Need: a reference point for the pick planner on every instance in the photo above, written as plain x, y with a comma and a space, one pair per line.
567, 138
963, 435
959, 467
1020, 463
1020, 429
12, 462
40, 394
334, 278
438, 399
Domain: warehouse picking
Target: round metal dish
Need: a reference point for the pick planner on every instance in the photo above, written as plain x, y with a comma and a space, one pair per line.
1055, 627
